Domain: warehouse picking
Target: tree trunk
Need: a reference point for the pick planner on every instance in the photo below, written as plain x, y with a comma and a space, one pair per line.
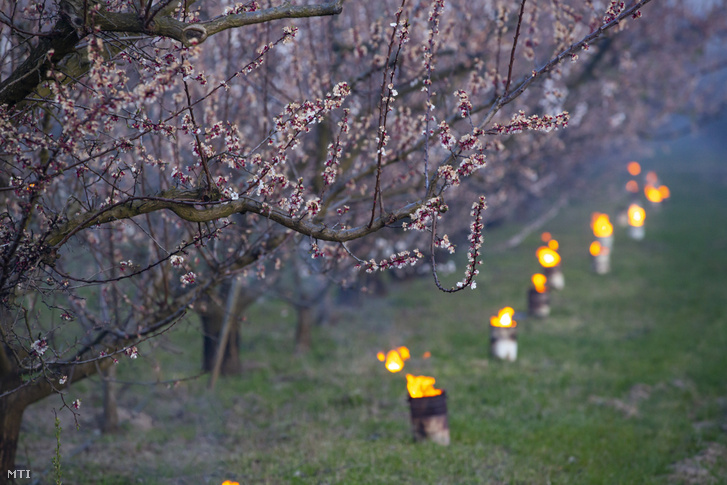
212, 313
304, 328
110, 418
211, 328
11, 415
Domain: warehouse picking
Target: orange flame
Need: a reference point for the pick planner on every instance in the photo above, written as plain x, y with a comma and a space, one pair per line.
404, 352
426, 355
601, 225
652, 193
632, 186
553, 244
504, 318
539, 281
664, 191
421, 386
545, 237
394, 359
597, 249
636, 215
230, 482
634, 168
651, 178
547, 257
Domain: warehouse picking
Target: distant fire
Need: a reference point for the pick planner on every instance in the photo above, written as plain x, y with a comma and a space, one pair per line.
553, 244
230, 482
545, 237
634, 168
539, 281
421, 386
504, 318
652, 194
547, 257
632, 186
665, 192
601, 225
636, 215
596, 249
394, 359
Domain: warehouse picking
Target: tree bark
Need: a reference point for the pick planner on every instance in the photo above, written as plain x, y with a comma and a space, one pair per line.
11, 416
304, 328
212, 313
211, 330
110, 418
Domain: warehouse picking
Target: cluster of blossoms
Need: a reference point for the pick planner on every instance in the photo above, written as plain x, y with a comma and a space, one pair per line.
242, 8
444, 243
177, 260
520, 123
328, 251
313, 207
396, 261
181, 177
39, 347
131, 352
465, 106
467, 167
188, 278
124, 265
615, 7
475, 239
422, 217
335, 151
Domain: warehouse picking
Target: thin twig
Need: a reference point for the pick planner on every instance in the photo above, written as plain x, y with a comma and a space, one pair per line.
514, 45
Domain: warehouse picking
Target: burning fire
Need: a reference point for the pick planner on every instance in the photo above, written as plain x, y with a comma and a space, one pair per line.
636, 215
421, 386
545, 237
597, 249
664, 191
394, 359
601, 225
539, 281
504, 318
230, 482
547, 256
553, 244
632, 186
652, 193
634, 168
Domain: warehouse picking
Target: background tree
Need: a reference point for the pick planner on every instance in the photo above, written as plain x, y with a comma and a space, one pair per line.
152, 150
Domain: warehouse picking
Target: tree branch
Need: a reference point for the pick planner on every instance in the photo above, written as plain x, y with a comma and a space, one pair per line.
52, 48
192, 206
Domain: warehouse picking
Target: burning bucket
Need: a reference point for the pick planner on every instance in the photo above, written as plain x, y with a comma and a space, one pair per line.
428, 407
550, 259
538, 297
636, 217
503, 335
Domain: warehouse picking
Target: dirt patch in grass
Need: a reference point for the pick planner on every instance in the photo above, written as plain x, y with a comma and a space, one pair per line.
629, 404
709, 466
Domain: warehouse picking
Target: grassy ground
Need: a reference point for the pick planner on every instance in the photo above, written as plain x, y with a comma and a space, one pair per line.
625, 383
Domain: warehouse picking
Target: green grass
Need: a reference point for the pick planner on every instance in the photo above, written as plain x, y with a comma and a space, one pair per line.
625, 379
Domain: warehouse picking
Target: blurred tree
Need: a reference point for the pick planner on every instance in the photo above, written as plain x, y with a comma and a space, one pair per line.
152, 150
